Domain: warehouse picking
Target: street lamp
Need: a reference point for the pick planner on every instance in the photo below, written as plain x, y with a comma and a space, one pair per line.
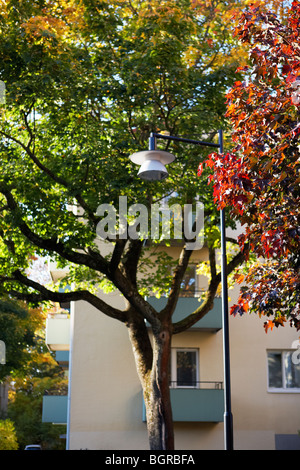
152, 168
152, 163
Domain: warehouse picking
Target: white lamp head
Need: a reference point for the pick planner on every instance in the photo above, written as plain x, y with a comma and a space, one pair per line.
152, 164
152, 170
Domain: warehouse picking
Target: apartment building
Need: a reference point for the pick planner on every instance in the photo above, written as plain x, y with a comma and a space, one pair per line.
104, 408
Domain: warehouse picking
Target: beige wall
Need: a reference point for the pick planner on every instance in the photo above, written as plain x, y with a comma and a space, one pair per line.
106, 400
259, 414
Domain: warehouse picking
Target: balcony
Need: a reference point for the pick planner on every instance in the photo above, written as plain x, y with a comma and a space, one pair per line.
212, 321
62, 359
202, 403
55, 409
58, 332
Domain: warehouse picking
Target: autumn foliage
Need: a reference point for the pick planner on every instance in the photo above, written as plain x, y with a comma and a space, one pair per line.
259, 179
86, 83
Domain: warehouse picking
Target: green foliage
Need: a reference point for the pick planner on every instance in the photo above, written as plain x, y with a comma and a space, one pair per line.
25, 404
86, 83
85, 86
17, 329
26, 413
8, 439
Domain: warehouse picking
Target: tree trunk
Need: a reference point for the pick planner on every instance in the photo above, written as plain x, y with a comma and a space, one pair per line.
157, 395
152, 362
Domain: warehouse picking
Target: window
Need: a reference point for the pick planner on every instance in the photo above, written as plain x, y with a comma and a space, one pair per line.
184, 368
283, 371
189, 282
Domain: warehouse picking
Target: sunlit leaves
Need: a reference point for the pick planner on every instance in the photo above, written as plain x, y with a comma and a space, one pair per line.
8, 438
18, 326
86, 84
274, 293
260, 178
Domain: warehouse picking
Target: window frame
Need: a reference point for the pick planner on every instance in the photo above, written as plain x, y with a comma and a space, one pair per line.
173, 368
284, 388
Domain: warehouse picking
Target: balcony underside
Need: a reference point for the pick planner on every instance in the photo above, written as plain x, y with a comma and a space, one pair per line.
212, 321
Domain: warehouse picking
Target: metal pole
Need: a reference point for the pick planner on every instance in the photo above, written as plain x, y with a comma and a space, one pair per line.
183, 139
152, 142
228, 421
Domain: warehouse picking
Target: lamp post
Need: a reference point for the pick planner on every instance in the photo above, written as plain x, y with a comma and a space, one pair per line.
152, 168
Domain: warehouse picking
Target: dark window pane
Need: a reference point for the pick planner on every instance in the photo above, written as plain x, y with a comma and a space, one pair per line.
186, 368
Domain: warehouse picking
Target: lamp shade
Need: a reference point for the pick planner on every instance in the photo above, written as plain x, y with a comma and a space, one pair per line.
152, 164
152, 170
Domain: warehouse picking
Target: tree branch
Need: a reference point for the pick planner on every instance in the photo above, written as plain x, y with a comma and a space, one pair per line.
47, 170
117, 254
47, 294
179, 272
94, 261
131, 260
207, 305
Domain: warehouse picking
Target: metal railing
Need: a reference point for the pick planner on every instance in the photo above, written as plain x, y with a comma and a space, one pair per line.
59, 391
199, 385
189, 293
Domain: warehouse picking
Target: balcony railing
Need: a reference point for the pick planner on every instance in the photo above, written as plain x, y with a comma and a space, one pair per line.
55, 409
203, 385
197, 402
58, 332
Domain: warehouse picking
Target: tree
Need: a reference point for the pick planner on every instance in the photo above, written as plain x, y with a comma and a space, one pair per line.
8, 440
17, 330
44, 376
32, 372
86, 83
259, 179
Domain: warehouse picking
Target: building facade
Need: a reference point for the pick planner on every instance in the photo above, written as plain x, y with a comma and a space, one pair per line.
104, 408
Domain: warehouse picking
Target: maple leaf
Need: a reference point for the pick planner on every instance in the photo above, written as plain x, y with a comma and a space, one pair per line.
269, 325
